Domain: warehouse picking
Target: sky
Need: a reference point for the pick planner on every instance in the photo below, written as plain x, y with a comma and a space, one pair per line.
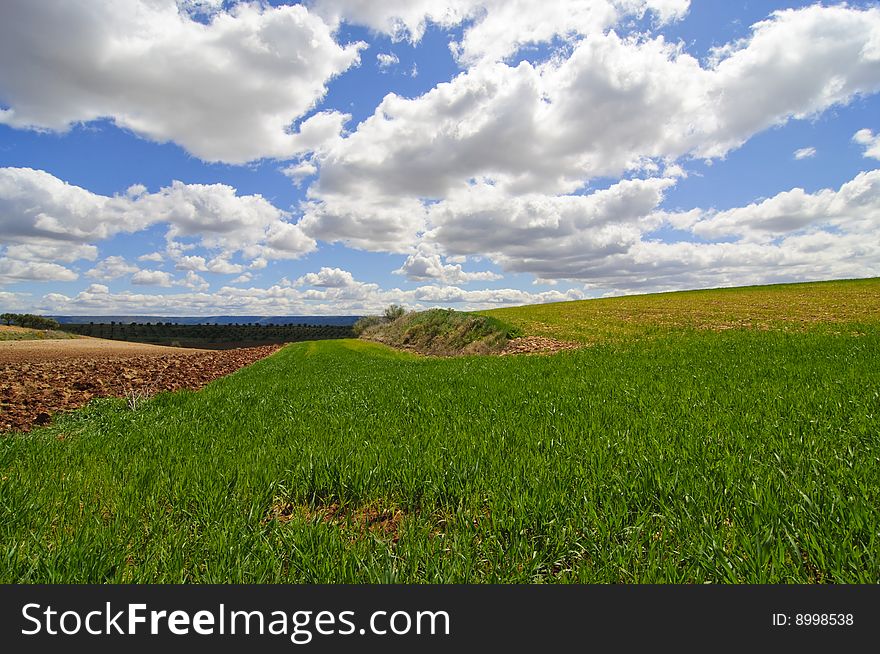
332, 157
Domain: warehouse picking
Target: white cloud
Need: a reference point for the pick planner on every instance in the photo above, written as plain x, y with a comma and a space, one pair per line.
853, 209
367, 221
13, 270
327, 278
244, 278
16, 302
613, 106
191, 262
300, 171
112, 267
239, 81
805, 153
426, 264
549, 236
37, 209
386, 59
224, 267
194, 281
155, 257
39, 249
329, 292
871, 142
496, 28
152, 278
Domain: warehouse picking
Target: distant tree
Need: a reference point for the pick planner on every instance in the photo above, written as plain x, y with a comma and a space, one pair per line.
31, 321
394, 311
8, 318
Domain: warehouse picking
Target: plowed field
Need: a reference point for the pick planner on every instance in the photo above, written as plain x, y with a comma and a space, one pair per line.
39, 378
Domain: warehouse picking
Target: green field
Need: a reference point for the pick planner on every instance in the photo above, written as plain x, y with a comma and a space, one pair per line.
675, 454
782, 307
8, 333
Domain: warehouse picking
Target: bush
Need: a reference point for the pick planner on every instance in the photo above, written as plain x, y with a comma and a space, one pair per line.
394, 311
440, 331
365, 323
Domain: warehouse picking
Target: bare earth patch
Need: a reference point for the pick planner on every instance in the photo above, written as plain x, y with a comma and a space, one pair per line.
40, 378
382, 522
82, 348
537, 345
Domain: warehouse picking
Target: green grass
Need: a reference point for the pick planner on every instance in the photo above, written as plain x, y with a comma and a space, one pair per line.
732, 456
23, 334
785, 307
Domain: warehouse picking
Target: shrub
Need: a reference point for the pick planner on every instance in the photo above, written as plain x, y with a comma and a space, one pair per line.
365, 323
394, 311
440, 331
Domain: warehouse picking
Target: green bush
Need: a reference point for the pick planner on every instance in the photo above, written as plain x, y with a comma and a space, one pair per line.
394, 311
440, 331
365, 323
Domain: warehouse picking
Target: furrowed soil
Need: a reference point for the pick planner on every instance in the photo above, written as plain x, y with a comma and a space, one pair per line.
41, 378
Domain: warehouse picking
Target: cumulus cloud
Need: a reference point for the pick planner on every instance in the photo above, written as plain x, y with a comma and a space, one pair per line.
328, 291
111, 268
549, 236
16, 302
225, 90
426, 264
805, 153
191, 262
537, 134
39, 212
155, 257
244, 278
614, 105
495, 28
327, 278
871, 142
852, 209
194, 281
224, 267
368, 221
12, 270
300, 171
152, 278
44, 249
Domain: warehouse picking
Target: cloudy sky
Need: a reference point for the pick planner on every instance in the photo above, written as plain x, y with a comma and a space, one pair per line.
205, 157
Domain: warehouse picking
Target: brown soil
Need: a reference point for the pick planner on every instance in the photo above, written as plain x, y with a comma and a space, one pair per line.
367, 519
82, 348
40, 378
537, 345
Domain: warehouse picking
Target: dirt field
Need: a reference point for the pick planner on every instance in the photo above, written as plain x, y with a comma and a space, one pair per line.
40, 378
95, 349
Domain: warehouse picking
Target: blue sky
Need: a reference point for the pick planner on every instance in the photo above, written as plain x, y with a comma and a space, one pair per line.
204, 157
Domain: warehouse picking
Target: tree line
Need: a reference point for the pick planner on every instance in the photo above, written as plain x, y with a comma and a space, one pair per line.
29, 320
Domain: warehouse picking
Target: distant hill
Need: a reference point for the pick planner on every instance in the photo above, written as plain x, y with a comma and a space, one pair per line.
344, 321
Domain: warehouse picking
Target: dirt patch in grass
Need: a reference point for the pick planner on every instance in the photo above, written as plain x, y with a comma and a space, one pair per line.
538, 345
380, 521
31, 391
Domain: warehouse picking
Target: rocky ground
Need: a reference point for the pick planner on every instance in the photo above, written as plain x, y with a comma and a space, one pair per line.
537, 345
41, 378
